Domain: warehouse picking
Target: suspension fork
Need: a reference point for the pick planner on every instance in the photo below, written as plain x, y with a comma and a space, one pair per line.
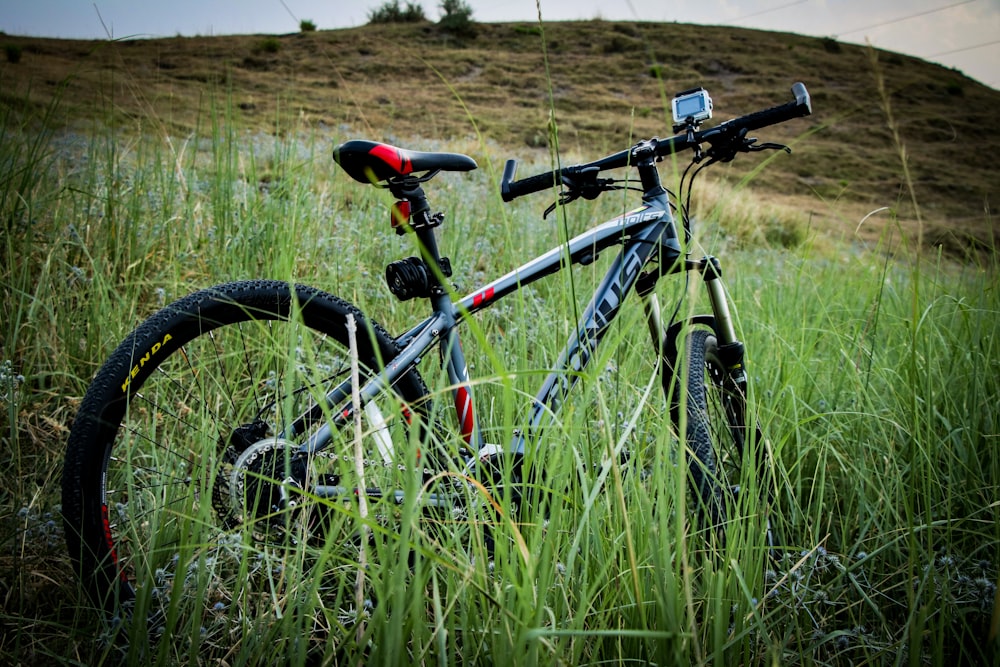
711, 272
731, 352
724, 328
730, 347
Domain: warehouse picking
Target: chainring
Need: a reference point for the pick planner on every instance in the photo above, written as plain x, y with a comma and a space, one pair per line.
253, 492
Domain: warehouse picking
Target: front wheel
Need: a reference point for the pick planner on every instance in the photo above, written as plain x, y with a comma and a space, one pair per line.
726, 454
183, 472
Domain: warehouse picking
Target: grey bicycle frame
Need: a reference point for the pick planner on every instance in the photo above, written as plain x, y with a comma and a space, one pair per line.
645, 234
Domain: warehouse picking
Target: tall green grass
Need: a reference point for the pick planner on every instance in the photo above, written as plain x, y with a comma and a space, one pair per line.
875, 379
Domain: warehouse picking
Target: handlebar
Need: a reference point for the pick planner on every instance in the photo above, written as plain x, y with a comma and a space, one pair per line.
510, 189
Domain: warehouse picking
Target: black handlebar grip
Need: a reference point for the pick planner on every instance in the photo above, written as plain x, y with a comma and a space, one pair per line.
802, 99
511, 189
509, 169
802, 106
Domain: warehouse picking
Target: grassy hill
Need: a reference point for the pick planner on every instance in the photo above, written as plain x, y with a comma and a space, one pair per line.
607, 83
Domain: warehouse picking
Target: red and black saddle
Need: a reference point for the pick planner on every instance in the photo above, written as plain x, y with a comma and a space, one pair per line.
372, 162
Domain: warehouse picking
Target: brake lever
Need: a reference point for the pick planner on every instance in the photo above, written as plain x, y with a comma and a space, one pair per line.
585, 185
565, 197
742, 144
766, 147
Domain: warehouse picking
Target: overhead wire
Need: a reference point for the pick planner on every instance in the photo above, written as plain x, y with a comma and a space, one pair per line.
897, 19
772, 9
964, 48
900, 19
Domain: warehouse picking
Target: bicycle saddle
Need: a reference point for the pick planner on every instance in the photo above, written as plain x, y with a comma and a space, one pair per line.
370, 161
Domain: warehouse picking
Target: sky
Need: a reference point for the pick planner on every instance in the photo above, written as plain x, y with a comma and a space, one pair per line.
964, 34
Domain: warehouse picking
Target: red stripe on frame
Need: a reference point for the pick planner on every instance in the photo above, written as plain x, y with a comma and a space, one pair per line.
463, 408
482, 298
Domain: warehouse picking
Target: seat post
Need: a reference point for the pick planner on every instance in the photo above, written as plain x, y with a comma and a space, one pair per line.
422, 223
427, 241
411, 191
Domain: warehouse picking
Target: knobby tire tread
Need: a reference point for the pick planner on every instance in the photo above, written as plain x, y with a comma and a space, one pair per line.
688, 360
97, 422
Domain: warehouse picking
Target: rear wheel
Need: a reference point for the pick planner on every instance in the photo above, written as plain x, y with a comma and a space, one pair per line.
726, 455
182, 470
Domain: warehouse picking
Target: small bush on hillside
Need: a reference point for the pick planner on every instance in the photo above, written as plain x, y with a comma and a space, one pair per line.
13, 52
391, 12
456, 18
268, 45
530, 29
305, 25
617, 44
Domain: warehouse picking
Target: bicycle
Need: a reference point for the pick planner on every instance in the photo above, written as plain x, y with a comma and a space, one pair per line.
234, 408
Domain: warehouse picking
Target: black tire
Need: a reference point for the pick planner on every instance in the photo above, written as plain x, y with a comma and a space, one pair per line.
708, 405
152, 449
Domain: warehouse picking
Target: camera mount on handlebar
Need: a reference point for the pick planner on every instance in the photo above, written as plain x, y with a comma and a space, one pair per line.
690, 108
